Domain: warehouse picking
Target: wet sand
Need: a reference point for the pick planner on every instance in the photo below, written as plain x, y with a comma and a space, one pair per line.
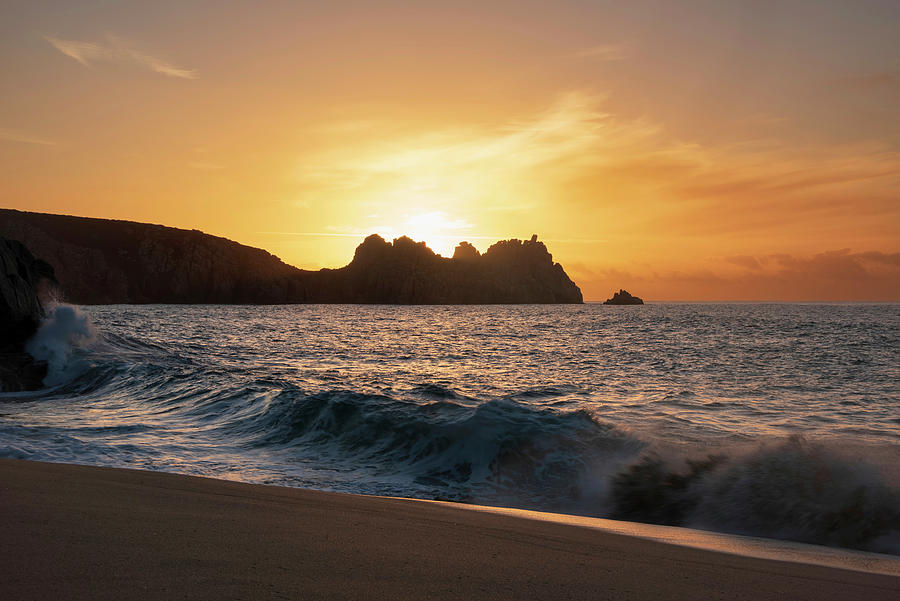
77, 532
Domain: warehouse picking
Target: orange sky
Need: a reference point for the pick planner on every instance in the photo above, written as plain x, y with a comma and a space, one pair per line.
704, 151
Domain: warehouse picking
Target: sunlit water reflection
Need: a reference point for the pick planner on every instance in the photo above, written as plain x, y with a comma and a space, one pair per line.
543, 407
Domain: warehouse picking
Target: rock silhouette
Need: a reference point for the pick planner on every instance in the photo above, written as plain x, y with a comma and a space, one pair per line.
622, 297
101, 261
22, 279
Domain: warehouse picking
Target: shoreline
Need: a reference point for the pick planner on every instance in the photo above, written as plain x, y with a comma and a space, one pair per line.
74, 531
710, 540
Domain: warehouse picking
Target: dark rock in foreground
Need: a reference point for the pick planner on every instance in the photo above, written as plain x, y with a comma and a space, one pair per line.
22, 278
102, 261
622, 297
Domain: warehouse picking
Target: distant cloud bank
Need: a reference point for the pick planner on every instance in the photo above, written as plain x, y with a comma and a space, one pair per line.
836, 275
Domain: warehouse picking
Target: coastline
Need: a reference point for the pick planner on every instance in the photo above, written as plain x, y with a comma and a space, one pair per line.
84, 532
721, 542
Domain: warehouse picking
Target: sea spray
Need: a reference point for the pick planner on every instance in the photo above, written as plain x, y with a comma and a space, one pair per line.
551, 408
801, 491
792, 490
64, 329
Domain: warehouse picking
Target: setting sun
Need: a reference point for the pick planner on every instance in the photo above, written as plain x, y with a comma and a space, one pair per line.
437, 229
689, 168
398, 279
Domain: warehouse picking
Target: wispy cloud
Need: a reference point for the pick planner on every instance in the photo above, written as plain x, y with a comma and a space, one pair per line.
116, 50
25, 138
575, 137
558, 139
579, 174
576, 153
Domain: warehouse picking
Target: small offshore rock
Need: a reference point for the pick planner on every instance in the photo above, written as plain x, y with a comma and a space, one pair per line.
622, 297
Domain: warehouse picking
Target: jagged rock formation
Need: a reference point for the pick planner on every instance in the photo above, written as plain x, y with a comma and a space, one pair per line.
100, 261
408, 272
623, 298
466, 252
22, 279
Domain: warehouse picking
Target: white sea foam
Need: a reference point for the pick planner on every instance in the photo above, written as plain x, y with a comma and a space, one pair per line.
571, 409
63, 331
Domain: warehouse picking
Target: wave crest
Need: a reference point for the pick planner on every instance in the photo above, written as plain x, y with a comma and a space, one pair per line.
499, 451
794, 490
64, 329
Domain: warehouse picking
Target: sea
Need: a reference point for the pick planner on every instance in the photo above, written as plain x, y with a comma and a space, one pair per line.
773, 420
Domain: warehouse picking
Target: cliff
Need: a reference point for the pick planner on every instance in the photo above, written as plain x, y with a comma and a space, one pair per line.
22, 279
100, 261
103, 261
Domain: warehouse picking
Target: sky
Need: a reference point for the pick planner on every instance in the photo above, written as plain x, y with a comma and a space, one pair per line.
694, 150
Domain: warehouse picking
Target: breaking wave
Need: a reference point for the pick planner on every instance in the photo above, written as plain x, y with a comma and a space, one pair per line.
499, 451
128, 398
62, 333
791, 490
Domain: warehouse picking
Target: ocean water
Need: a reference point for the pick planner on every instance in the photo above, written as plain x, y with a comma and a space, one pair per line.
777, 420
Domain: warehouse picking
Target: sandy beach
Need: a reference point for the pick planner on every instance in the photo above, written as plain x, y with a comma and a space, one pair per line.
78, 532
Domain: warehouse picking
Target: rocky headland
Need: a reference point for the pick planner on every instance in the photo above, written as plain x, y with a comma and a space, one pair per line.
408, 272
24, 279
102, 261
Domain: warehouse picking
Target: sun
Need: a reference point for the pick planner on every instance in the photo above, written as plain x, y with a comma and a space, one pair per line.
440, 231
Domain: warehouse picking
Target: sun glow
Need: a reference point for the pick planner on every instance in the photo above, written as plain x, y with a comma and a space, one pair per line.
677, 167
440, 231
433, 184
